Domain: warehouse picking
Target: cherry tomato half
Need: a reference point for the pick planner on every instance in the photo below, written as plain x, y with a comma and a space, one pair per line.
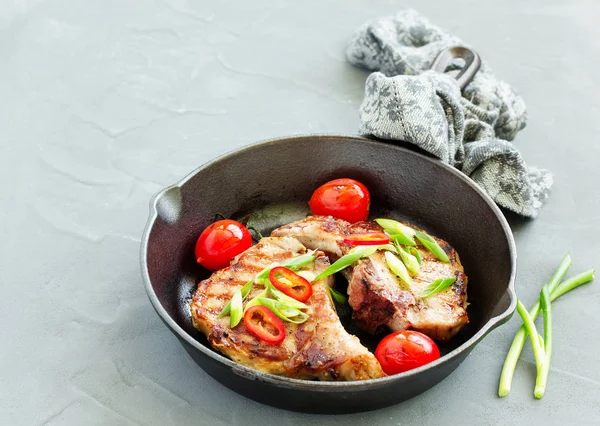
404, 350
290, 283
264, 324
220, 242
345, 199
367, 239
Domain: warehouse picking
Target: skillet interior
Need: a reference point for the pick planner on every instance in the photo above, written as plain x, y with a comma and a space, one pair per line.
267, 218
274, 181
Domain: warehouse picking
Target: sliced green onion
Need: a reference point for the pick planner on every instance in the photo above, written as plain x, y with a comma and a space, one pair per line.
388, 247
237, 310
399, 247
401, 239
437, 286
397, 268
337, 296
348, 259
255, 301
542, 377
294, 315
398, 231
245, 290
415, 253
284, 298
298, 262
293, 263
284, 311
263, 276
431, 244
410, 261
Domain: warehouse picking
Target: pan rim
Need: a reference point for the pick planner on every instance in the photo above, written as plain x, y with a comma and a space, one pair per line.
324, 386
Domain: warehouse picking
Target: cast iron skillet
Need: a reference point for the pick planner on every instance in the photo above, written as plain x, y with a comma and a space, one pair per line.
274, 181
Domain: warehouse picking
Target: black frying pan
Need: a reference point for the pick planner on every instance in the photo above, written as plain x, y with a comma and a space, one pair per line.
274, 181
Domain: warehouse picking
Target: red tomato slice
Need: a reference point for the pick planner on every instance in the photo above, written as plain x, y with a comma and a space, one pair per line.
290, 283
345, 199
220, 242
264, 324
404, 350
367, 239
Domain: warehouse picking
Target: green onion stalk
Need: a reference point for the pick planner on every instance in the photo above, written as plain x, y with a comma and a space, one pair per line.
538, 353
555, 289
542, 376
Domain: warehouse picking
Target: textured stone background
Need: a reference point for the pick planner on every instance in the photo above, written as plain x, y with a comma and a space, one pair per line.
105, 102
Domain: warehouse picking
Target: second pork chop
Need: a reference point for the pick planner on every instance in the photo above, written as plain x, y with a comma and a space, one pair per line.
377, 297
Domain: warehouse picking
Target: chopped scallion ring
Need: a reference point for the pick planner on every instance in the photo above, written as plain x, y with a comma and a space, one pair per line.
437, 286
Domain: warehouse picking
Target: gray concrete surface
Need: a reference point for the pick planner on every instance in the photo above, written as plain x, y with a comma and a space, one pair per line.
96, 96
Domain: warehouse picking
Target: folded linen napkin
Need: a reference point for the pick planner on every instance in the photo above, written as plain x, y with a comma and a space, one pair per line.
405, 101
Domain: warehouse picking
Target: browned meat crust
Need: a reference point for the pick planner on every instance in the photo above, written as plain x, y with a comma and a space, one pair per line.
319, 348
377, 297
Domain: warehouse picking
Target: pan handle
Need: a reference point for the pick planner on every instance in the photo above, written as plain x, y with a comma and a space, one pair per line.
168, 204
468, 71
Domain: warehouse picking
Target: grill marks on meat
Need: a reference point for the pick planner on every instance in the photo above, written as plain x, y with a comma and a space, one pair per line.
377, 297
319, 348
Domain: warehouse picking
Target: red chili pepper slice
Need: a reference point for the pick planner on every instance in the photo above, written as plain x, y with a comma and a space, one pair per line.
367, 239
290, 283
264, 324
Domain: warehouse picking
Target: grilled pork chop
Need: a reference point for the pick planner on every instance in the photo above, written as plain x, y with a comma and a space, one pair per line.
376, 295
318, 348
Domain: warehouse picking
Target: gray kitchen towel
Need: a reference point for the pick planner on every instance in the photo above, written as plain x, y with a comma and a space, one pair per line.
405, 101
